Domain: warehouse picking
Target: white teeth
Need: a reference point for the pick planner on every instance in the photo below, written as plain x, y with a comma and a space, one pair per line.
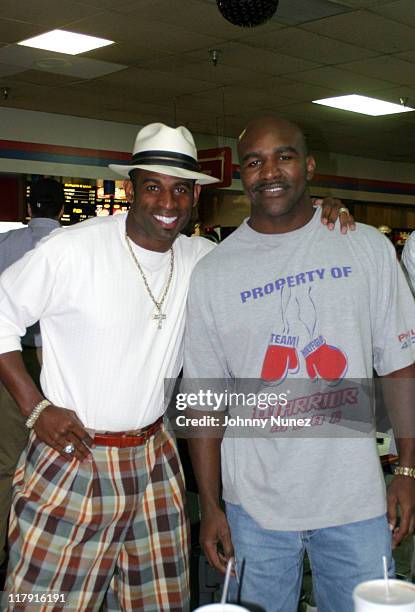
165, 219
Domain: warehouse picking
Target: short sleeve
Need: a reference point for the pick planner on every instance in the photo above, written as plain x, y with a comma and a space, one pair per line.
26, 291
394, 321
408, 259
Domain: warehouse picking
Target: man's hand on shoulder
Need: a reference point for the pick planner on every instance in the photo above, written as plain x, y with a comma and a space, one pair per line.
59, 427
401, 494
215, 538
333, 209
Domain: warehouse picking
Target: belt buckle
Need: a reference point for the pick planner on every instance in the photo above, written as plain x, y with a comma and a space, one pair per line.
134, 434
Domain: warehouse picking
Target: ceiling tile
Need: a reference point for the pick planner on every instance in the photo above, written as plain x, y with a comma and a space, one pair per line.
150, 34
7, 70
300, 91
308, 114
385, 67
366, 30
113, 5
301, 11
407, 55
245, 35
127, 53
400, 10
191, 15
190, 65
255, 98
357, 4
395, 93
38, 97
46, 13
145, 85
343, 81
310, 46
210, 102
60, 63
48, 79
12, 31
261, 60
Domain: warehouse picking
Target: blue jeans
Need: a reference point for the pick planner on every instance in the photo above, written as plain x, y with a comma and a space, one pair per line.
270, 563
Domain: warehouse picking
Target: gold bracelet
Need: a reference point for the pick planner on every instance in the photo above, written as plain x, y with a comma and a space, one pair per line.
401, 470
36, 412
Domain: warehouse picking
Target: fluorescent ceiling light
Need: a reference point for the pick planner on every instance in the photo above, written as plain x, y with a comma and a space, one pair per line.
63, 41
364, 105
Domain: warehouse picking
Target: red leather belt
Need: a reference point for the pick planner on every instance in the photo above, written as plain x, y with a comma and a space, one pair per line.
124, 439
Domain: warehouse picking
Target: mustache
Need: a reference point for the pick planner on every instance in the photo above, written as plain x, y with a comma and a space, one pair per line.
266, 185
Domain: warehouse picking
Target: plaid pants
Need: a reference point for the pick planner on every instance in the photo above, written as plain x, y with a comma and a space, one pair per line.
109, 533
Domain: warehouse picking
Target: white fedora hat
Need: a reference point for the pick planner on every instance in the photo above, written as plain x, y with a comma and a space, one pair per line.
165, 150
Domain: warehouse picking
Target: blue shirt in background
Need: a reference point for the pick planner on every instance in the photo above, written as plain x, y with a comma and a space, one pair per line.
13, 245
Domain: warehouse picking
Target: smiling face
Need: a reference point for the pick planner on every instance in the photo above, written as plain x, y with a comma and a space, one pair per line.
275, 170
161, 206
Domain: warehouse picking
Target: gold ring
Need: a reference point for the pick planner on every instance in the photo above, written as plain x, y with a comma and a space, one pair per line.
343, 209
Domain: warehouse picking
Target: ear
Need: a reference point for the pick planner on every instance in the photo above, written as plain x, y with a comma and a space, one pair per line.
311, 166
129, 191
196, 193
61, 212
29, 210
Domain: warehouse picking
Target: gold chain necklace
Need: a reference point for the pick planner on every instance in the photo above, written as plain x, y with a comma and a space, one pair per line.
159, 317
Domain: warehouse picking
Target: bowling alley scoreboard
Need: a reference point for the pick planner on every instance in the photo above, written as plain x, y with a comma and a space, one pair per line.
85, 199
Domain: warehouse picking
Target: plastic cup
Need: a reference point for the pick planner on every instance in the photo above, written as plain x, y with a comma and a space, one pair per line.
221, 607
371, 596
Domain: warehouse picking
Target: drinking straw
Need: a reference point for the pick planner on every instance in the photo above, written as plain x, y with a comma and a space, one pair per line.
385, 576
227, 578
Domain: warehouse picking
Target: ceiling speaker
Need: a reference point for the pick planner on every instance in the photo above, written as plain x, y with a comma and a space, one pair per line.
247, 13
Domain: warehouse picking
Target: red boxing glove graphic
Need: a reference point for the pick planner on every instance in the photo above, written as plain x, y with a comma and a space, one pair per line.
281, 357
324, 361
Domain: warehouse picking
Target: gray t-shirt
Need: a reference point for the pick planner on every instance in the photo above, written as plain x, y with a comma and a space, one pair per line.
313, 310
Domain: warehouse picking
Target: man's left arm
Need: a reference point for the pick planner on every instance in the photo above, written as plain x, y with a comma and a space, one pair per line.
393, 338
398, 391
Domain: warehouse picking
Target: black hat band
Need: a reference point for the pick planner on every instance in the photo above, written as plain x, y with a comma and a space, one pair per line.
166, 158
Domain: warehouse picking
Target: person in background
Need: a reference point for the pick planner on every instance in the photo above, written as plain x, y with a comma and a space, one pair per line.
408, 260
45, 210
295, 308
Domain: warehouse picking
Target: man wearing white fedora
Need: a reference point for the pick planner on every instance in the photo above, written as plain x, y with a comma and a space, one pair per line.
98, 514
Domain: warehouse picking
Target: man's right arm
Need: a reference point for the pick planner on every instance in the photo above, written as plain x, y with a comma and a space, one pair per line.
26, 290
204, 359
215, 535
55, 426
